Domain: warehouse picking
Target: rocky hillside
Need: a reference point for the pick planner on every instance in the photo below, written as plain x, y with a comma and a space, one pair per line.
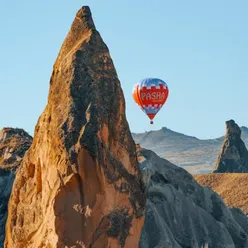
79, 184
180, 213
193, 154
14, 143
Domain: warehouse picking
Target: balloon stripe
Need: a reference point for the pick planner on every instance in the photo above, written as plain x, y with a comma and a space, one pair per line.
138, 95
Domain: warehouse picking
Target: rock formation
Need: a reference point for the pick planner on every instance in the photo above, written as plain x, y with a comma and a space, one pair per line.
13, 145
233, 156
230, 178
79, 184
180, 213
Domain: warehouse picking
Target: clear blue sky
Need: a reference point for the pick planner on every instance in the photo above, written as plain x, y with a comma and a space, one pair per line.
200, 48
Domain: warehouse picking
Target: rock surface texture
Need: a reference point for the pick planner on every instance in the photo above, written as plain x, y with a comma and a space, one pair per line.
182, 214
233, 156
13, 145
79, 184
232, 187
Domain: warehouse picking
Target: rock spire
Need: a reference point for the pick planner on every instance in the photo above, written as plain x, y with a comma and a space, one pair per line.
79, 184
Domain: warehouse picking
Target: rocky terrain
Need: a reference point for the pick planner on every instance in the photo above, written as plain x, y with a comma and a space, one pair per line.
180, 213
175, 199
193, 154
14, 143
79, 184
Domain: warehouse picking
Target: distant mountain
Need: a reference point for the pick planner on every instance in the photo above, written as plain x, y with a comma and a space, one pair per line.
193, 154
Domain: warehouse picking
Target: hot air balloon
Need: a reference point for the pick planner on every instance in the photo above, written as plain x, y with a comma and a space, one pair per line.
150, 94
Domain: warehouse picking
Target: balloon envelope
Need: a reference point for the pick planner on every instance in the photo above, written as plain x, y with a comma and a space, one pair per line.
150, 94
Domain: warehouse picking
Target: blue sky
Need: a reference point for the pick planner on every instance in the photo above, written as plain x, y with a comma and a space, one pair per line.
200, 48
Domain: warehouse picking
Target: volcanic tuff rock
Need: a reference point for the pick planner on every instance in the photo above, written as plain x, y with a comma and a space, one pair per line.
14, 143
182, 214
233, 156
79, 184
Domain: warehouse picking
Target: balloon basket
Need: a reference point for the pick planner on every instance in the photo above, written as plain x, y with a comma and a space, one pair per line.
151, 122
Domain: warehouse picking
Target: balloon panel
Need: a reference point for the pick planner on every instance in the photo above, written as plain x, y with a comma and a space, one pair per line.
136, 94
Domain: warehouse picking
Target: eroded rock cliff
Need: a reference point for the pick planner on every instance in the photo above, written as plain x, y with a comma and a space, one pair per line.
182, 214
14, 143
79, 184
233, 156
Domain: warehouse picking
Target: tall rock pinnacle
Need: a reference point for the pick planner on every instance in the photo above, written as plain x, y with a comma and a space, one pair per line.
79, 184
233, 156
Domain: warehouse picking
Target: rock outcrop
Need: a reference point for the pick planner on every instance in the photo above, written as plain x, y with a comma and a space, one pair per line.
79, 184
14, 143
233, 156
180, 213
